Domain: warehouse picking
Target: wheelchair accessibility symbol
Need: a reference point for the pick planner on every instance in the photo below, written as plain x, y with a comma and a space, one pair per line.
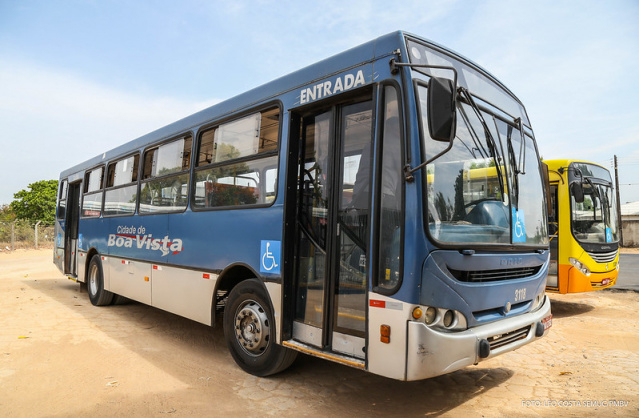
519, 226
271, 252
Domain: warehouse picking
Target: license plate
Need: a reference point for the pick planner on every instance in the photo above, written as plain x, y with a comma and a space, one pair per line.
547, 321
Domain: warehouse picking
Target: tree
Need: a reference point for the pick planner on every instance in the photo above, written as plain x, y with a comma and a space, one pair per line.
37, 204
6, 214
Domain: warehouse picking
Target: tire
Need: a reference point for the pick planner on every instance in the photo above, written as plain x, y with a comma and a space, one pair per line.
95, 284
249, 330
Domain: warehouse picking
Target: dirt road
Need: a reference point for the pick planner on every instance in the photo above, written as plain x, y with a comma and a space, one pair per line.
61, 356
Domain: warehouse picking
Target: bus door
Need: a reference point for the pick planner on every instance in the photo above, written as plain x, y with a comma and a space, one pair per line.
553, 235
333, 228
71, 228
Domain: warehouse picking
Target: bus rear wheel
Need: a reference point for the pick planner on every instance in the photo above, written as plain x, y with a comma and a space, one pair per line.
249, 329
95, 283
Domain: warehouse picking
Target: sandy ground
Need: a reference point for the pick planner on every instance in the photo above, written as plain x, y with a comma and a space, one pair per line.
61, 356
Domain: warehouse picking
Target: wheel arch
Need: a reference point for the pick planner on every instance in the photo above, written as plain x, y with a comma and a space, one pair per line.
92, 251
230, 277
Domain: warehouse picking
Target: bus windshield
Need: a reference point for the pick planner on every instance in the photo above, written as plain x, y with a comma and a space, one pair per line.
595, 219
467, 200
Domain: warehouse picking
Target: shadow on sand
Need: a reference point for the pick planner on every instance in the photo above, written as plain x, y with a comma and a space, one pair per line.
322, 386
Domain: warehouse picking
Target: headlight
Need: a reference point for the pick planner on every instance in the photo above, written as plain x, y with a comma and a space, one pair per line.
431, 315
539, 300
449, 317
579, 266
440, 318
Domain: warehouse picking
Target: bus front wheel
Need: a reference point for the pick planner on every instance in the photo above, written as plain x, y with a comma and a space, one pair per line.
95, 284
249, 329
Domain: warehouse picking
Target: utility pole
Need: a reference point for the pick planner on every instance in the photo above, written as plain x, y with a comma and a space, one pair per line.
618, 203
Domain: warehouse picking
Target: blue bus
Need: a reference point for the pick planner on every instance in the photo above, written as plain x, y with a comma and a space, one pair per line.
338, 211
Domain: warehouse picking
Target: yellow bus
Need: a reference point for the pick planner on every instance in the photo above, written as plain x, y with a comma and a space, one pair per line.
583, 228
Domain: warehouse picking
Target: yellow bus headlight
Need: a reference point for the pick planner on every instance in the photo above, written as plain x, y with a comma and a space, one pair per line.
579, 266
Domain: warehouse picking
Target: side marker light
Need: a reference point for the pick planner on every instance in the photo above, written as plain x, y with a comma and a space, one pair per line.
384, 331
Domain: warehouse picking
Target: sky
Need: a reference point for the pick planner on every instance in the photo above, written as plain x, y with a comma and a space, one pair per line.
79, 77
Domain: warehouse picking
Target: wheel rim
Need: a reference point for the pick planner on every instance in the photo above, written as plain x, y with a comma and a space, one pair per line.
93, 279
252, 329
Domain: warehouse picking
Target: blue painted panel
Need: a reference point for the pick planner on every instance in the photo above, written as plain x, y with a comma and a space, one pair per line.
440, 289
213, 240
140, 237
90, 234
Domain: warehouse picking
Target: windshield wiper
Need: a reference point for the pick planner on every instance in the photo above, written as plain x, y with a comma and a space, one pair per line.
605, 205
514, 165
492, 145
521, 166
601, 195
518, 164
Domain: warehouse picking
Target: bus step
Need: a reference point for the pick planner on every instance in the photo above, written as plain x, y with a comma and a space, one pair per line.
316, 352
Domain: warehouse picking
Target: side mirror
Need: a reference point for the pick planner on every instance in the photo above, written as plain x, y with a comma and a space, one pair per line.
441, 109
578, 192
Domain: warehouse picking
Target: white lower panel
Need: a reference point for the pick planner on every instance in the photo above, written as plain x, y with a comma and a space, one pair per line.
275, 292
307, 334
83, 262
349, 344
130, 278
387, 359
187, 293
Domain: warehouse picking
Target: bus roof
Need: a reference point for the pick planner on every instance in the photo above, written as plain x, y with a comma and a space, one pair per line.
559, 163
555, 165
370, 51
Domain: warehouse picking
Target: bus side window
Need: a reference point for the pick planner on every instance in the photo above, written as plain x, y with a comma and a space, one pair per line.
165, 177
235, 162
391, 188
62, 201
121, 194
92, 199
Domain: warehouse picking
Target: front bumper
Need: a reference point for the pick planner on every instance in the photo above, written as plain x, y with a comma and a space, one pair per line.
432, 352
578, 282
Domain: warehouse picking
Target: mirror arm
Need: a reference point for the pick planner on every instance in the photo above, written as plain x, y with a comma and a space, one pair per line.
408, 171
394, 69
395, 66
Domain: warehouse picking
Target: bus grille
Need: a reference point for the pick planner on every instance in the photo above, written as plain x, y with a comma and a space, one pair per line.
603, 257
479, 276
597, 285
501, 340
